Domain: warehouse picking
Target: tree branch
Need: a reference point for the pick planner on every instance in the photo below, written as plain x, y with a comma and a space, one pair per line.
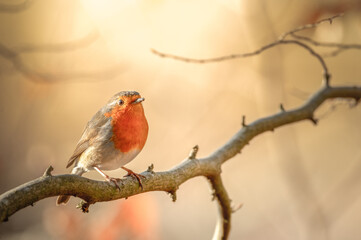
14, 55
76, 44
92, 191
223, 226
339, 47
169, 181
249, 54
281, 41
15, 8
311, 25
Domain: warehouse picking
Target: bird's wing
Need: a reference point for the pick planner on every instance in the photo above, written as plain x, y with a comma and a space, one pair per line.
89, 135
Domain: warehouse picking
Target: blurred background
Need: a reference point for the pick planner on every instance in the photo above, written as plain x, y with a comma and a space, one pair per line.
62, 60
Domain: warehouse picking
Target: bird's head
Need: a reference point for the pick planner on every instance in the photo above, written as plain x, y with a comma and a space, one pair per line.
124, 102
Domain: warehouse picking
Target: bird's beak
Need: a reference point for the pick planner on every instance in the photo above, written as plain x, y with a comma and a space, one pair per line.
138, 100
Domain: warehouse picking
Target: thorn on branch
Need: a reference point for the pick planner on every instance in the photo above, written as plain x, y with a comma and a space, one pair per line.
193, 153
244, 121
282, 108
48, 171
150, 169
84, 206
313, 120
173, 195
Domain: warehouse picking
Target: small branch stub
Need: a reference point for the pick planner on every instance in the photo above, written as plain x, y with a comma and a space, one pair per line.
193, 153
313, 120
173, 195
244, 121
84, 206
48, 171
150, 169
282, 108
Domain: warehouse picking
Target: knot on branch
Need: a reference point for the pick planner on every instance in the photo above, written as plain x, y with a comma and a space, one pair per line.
193, 153
84, 206
48, 171
150, 169
173, 195
282, 108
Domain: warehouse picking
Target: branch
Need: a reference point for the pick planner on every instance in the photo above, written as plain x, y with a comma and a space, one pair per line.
281, 40
15, 57
225, 210
249, 54
169, 181
340, 47
15, 8
311, 25
60, 47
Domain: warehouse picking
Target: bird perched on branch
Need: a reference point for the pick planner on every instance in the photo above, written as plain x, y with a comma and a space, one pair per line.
112, 138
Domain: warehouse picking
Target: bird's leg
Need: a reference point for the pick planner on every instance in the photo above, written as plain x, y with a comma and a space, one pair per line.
109, 179
136, 175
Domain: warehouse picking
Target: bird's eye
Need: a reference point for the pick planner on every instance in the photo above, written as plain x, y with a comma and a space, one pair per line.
120, 102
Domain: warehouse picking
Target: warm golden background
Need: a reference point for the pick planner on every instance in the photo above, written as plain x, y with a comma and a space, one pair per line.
300, 182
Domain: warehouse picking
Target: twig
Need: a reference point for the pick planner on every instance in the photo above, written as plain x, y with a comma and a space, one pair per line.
327, 44
223, 226
311, 25
281, 40
304, 112
249, 54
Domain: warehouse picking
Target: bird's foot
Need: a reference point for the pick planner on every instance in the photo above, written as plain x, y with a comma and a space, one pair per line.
109, 179
136, 175
115, 181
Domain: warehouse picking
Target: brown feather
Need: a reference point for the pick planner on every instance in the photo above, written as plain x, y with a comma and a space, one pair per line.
89, 134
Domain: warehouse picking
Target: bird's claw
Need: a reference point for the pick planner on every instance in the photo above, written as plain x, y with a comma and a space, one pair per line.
115, 181
136, 175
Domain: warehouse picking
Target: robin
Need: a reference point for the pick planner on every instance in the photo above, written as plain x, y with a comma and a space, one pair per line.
112, 138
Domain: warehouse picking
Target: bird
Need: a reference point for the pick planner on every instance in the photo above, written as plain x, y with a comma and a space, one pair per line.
113, 137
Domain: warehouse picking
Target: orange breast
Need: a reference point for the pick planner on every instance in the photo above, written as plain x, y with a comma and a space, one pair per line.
130, 128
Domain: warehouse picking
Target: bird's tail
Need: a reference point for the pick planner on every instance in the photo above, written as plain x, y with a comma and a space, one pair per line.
63, 199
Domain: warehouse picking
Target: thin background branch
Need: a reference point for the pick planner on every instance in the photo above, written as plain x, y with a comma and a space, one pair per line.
76, 44
14, 55
15, 8
281, 41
